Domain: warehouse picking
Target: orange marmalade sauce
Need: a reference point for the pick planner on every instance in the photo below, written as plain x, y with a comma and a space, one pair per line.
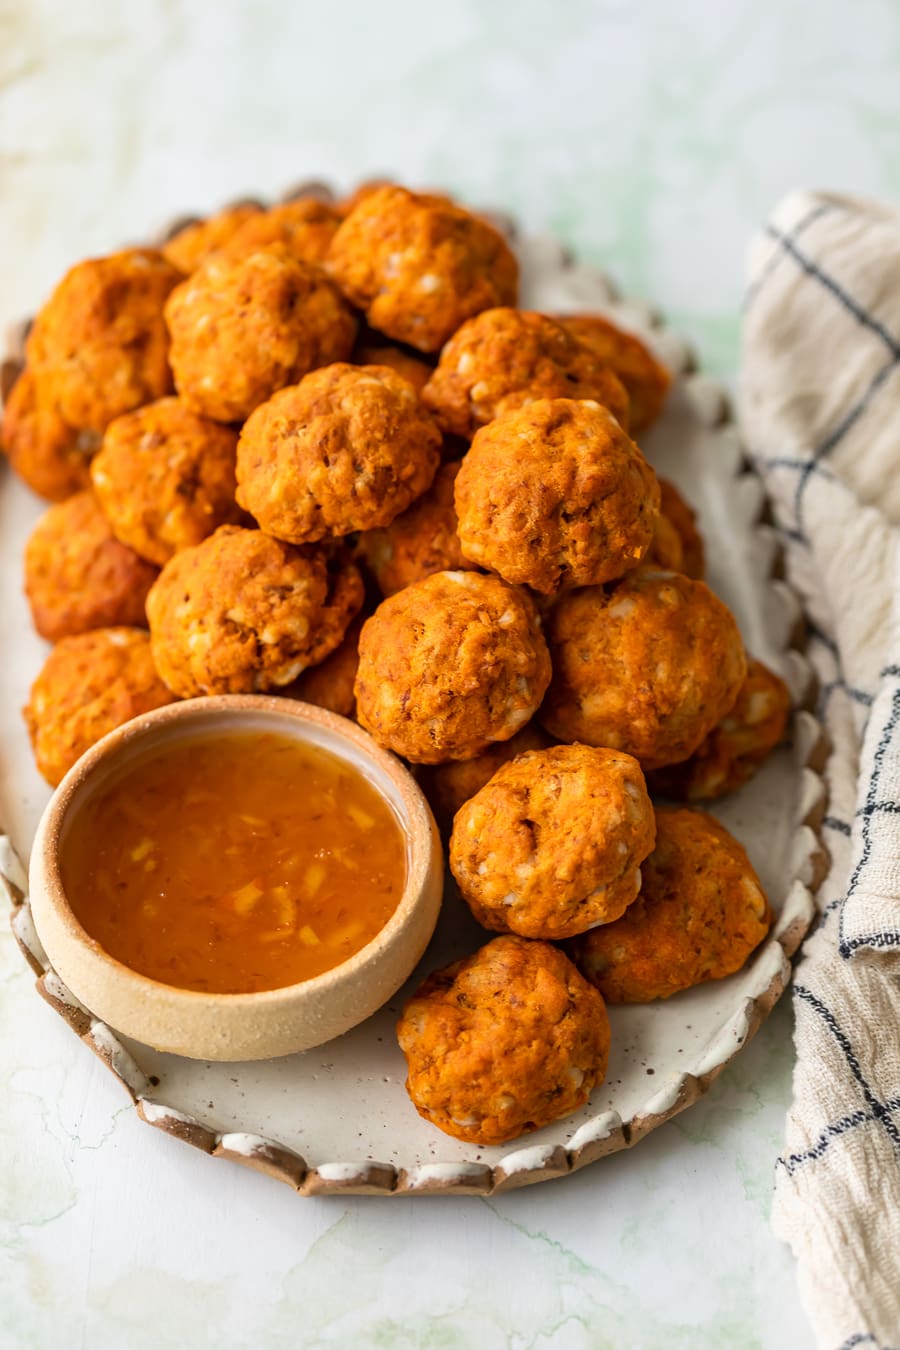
230, 865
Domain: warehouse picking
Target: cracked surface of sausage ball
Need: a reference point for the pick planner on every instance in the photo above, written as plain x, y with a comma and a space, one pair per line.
648, 666
420, 266
305, 227
448, 786
90, 684
47, 454
503, 1042
450, 665
100, 347
372, 353
735, 748
190, 247
244, 328
677, 543
348, 448
243, 613
79, 576
421, 540
553, 844
556, 495
506, 358
165, 478
700, 913
644, 377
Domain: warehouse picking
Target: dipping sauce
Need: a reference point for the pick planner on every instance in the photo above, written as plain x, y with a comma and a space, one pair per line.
230, 865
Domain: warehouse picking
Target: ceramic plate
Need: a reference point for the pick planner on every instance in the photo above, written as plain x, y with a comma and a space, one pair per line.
338, 1118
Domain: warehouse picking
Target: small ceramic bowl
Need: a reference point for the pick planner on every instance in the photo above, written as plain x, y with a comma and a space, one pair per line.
238, 1026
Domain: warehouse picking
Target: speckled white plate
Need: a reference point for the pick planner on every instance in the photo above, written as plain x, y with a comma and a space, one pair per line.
337, 1119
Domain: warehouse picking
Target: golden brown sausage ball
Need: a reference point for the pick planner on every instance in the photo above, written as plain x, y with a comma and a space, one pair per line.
90, 684
242, 613
556, 495
677, 544
306, 227
648, 666
448, 786
645, 378
700, 914
420, 266
191, 246
330, 683
346, 449
47, 454
503, 1042
165, 478
735, 748
553, 844
371, 353
99, 347
504, 359
242, 329
77, 574
422, 540
449, 665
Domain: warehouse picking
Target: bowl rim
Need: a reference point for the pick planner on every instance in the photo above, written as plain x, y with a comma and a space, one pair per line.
416, 824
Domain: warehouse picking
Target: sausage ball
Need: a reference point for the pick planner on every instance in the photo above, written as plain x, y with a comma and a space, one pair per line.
165, 478
242, 613
346, 449
330, 683
504, 359
556, 495
77, 574
190, 247
734, 750
553, 844
645, 379
420, 266
677, 543
503, 1042
448, 786
100, 347
648, 666
422, 540
244, 328
47, 454
90, 684
372, 353
449, 665
305, 227
700, 913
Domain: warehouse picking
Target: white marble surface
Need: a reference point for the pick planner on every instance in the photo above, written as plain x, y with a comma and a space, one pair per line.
653, 138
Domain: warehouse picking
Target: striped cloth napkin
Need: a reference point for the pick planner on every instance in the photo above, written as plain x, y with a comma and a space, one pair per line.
820, 407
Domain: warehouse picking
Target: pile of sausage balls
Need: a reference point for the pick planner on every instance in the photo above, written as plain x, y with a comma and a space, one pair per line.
317, 450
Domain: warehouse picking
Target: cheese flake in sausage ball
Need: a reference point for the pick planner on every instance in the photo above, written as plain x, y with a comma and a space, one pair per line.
450, 665
99, 347
419, 266
190, 246
243, 613
503, 1042
79, 576
448, 786
50, 456
306, 227
648, 666
735, 748
165, 478
644, 377
90, 684
553, 844
505, 358
421, 540
348, 448
701, 912
556, 495
244, 328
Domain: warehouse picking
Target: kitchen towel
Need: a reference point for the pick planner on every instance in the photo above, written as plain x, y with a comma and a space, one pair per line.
820, 413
